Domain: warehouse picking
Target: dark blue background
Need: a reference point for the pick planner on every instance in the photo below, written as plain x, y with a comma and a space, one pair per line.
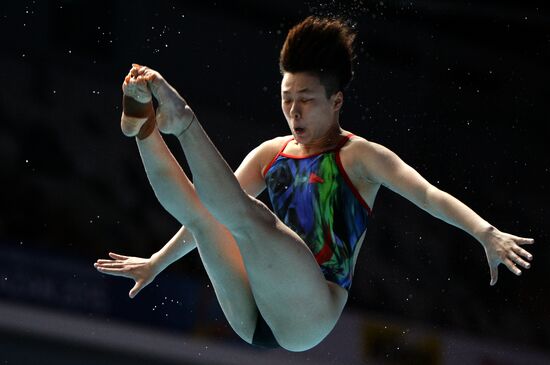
458, 90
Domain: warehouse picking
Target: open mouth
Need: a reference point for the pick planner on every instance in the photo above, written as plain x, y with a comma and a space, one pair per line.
299, 130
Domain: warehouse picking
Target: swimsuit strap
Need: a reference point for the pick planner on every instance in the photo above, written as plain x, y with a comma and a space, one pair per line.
277, 155
335, 149
343, 142
284, 146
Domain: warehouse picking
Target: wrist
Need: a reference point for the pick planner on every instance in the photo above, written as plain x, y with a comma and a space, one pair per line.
483, 232
157, 262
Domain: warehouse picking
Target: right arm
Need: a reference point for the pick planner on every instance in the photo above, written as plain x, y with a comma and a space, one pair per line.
180, 245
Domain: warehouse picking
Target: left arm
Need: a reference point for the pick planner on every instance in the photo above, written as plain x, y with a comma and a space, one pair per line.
380, 165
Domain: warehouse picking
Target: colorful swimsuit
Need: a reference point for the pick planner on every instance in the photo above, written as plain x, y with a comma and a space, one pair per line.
314, 196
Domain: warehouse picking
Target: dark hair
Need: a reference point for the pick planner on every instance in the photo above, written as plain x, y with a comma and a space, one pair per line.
321, 46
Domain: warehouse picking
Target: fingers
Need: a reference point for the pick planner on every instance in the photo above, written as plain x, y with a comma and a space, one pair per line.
511, 262
117, 256
101, 262
494, 275
506, 250
523, 240
512, 266
518, 260
514, 259
112, 271
112, 267
135, 290
110, 264
520, 251
107, 264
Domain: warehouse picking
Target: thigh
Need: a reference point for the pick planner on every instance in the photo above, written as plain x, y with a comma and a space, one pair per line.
224, 265
284, 274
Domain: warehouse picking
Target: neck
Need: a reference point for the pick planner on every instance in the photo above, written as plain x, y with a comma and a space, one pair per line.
328, 140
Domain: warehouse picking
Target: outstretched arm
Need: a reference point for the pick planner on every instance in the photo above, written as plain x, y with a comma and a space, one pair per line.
180, 245
144, 270
380, 165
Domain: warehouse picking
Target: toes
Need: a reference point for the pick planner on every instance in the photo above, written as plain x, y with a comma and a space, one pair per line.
137, 89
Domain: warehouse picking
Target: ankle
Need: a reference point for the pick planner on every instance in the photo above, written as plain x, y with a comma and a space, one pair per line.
193, 117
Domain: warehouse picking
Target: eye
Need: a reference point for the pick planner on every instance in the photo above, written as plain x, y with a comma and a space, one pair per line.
306, 100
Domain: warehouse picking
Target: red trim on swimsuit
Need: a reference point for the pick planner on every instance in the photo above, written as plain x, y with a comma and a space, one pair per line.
275, 158
348, 180
338, 163
338, 146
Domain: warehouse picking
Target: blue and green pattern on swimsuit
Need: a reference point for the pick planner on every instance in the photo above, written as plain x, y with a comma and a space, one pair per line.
315, 198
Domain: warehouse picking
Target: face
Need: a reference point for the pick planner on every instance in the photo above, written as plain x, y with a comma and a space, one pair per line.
311, 116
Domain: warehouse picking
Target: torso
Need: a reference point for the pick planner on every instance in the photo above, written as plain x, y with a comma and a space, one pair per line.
364, 190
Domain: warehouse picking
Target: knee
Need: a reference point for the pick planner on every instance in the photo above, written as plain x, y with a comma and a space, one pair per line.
200, 221
252, 213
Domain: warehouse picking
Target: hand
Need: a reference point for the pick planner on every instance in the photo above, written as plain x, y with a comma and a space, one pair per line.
504, 248
141, 270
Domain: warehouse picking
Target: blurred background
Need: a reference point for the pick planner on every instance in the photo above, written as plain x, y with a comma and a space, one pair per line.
459, 90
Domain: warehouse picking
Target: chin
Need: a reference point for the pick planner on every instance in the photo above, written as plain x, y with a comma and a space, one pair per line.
299, 138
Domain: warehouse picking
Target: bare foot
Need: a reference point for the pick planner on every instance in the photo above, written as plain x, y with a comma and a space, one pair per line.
173, 113
137, 103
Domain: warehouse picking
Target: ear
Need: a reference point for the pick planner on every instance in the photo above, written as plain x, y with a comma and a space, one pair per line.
337, 101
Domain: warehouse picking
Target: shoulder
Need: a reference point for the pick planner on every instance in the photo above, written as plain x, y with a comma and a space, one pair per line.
250, 171
268, 149
264, 153
359, 149
365, 158
274, 144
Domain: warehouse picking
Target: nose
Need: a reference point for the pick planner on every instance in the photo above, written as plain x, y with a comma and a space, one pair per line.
295, 111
